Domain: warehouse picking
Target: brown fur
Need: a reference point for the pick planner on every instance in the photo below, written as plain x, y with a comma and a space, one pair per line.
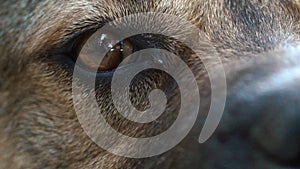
38, 125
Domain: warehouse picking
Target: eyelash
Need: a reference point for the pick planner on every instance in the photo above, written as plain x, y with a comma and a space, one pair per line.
69, 50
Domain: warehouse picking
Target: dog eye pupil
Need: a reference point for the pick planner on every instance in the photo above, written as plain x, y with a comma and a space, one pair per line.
116, 52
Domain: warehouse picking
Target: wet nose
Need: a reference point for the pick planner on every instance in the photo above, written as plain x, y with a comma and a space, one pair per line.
269, 101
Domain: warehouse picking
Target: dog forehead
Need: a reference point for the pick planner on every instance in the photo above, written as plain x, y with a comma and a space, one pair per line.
54, 22
245, 25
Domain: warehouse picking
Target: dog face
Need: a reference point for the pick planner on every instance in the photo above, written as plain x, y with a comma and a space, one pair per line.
257, 41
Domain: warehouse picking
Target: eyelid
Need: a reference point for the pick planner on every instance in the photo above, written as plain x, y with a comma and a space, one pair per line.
79, 29
81, 41
87, 47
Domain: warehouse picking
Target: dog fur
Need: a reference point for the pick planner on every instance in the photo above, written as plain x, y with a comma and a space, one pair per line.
38, 125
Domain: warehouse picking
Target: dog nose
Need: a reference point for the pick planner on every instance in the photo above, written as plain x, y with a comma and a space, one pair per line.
268, 100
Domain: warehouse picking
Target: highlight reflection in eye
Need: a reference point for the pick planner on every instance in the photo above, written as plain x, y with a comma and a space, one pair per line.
88, 59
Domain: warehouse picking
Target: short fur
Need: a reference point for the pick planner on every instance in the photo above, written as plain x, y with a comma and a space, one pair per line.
38, 124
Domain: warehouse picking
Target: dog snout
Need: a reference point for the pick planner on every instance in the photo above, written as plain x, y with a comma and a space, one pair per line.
264, 102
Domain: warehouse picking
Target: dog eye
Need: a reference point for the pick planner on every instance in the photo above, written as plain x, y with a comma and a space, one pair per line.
92, 45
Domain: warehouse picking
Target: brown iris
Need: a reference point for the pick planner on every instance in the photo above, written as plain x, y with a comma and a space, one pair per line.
90, 47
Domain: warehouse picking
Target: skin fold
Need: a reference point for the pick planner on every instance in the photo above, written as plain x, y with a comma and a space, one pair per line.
38, 124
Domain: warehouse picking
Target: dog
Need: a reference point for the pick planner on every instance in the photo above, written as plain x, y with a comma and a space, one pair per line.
256, 40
